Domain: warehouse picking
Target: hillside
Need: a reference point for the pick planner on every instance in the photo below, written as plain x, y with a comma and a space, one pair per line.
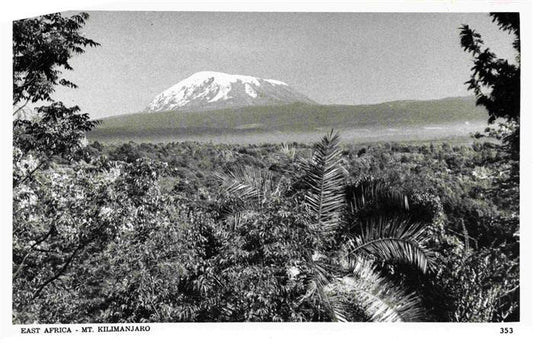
432, 118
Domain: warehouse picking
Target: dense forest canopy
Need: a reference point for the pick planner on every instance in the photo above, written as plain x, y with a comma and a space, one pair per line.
289, 232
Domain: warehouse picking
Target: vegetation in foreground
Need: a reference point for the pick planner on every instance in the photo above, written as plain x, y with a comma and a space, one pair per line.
195, 232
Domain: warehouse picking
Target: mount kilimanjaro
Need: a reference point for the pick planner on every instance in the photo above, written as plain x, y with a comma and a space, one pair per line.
208, 90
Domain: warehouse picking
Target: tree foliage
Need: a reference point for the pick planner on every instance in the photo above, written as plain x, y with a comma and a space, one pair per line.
496, 81
42, 47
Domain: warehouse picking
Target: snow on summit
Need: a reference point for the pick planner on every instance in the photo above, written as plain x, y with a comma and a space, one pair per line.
208, 90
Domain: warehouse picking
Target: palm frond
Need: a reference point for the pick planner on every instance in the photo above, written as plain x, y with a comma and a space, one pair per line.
288, 151
393, 239
375, 194
325, 177
380, 299
253, 185
318, 280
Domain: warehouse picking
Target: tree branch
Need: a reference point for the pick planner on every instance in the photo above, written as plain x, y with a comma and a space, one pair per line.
15, 184
60, 272
31, 248
21, 107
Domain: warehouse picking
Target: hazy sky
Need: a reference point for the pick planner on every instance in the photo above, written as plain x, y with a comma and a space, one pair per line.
334, 58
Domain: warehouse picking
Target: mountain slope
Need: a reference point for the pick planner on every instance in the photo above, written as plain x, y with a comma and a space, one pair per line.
450, 116
209, 90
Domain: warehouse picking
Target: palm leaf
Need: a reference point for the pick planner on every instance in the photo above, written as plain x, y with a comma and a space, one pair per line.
288, 151
376, 195
250, 184
380, 299
325, 177
393, 239
249, 189
318, 281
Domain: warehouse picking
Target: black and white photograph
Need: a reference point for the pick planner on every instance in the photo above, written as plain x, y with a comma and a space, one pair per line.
226, 166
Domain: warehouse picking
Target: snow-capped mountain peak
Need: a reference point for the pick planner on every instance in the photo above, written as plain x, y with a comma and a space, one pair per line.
214, 90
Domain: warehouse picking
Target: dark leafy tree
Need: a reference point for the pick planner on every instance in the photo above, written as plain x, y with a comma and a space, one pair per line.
42, 46
496, 81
